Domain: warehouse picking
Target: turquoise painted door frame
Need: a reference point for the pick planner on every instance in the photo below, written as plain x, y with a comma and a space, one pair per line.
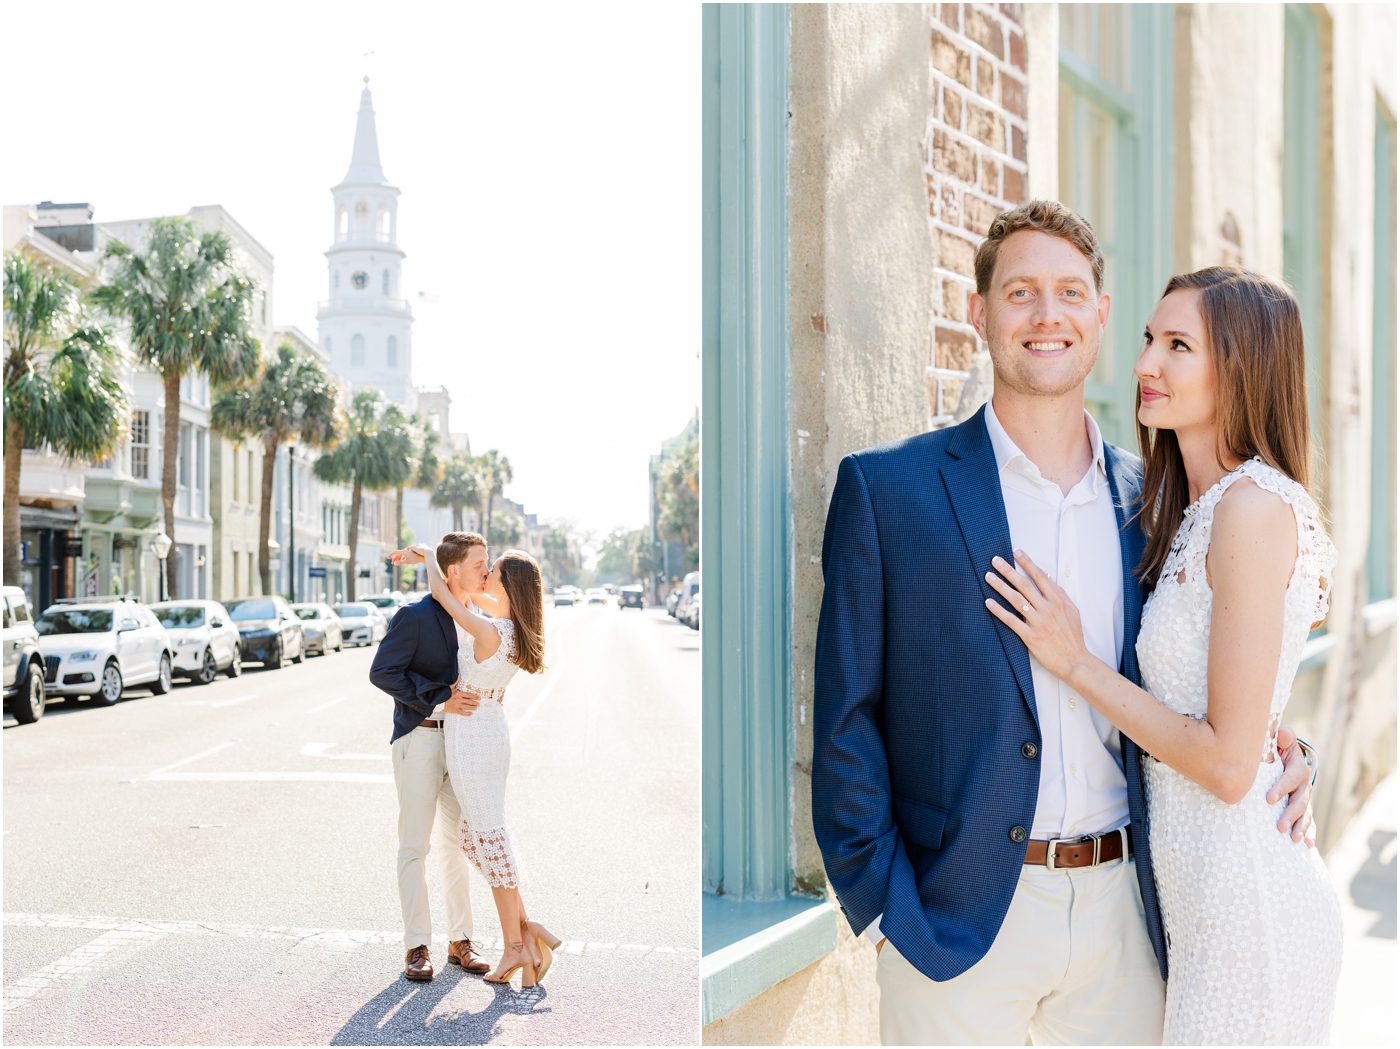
745, 516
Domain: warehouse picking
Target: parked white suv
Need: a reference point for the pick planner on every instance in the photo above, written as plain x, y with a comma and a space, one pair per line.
205, 639
95, 647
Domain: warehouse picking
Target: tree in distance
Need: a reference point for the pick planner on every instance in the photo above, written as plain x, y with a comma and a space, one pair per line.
678, 492
369, 458
459, 488
424, 466
62, 390
186, 304
625, 555
496, 473
291, 396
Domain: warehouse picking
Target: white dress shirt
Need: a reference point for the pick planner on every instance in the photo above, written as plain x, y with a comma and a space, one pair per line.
1074, 540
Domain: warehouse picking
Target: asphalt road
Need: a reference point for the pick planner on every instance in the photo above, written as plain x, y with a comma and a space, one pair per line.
217, 865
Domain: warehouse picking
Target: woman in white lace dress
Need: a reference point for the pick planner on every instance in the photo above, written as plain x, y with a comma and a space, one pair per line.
477, 744
1239, 569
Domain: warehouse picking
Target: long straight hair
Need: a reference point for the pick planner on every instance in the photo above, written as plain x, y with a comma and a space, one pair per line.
520, 577
1254, 335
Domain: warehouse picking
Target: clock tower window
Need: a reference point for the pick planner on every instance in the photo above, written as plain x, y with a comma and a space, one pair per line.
357, 351
391, 353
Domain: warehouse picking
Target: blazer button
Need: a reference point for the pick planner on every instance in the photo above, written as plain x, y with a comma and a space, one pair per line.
1029, 751
1018, 834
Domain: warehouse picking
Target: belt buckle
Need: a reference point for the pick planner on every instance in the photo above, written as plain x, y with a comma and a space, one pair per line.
1053, 843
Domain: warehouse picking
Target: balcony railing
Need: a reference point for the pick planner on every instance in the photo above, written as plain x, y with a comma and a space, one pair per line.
364, 301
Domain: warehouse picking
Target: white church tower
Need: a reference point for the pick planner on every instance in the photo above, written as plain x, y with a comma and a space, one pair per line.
366, 325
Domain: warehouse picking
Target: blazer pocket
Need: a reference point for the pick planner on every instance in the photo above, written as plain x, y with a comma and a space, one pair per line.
922, 824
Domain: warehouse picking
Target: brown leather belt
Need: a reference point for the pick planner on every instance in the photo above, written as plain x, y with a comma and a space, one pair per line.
430, 723
1088, 851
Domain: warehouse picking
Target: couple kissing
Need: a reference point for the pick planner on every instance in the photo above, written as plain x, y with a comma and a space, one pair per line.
446, 661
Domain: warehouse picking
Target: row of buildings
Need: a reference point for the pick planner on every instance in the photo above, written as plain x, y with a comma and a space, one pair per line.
87, 528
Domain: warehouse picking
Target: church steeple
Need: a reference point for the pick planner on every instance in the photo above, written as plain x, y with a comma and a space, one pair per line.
364, 159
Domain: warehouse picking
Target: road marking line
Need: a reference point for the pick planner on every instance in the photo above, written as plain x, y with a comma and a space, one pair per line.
231, 702
318, 750
273, 777
131, 930
24, 989
323, 706
558, 669
201, 754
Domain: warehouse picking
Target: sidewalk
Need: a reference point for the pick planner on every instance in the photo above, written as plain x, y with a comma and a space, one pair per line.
1363, 870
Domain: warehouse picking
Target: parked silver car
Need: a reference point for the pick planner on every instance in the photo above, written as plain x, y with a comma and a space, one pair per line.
388, 603
205, 639
321, 630
361, 623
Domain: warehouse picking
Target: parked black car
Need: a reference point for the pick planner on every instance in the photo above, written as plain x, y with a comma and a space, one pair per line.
269, 631
24, 665
629, 597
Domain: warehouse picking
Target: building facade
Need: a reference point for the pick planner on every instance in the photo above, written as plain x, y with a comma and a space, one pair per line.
855, 156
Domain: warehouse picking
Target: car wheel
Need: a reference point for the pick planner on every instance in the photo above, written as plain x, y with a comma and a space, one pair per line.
235, 665
28, 704
300, 657
208, 669
274, 659
164, 678
340, 644
111, 692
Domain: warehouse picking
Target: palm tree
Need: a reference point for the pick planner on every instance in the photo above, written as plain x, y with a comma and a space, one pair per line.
460, 488
368, 458
187, 307
423, 467
495, 475
292, 397
61, 385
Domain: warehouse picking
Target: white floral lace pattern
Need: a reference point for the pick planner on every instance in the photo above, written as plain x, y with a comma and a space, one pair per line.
1254, 934
478, 761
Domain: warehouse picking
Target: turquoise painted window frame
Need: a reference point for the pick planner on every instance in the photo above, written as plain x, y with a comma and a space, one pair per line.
1142, 200
1380, 551
1302, 192
755, 930
745, 515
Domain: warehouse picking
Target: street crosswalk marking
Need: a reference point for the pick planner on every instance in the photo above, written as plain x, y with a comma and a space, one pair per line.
122, 935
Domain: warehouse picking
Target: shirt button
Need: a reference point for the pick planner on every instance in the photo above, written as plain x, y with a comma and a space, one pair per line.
1018, 834
1068, 573
1029, 751
1074, 769
1071, 703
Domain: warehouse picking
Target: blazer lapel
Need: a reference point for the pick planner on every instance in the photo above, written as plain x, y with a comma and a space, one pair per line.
448, 628
974, 489
1125, 483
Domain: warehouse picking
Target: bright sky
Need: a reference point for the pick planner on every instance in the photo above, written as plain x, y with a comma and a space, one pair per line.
548, 161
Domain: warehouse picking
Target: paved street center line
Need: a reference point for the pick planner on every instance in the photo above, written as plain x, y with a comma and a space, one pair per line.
231, 702
272, 777
558, 672
323, 706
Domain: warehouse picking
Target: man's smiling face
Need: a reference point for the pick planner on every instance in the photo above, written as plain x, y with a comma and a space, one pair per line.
1042, 318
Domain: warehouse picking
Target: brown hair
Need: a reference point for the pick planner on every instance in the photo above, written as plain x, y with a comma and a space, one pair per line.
520, 576
1254, 335
454, 547
1042, 216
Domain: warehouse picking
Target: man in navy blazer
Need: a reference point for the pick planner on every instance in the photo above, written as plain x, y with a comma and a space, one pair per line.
977, 819
417, 665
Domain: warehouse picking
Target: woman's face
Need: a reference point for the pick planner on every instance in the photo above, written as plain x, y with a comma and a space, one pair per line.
1174, 371
494, 586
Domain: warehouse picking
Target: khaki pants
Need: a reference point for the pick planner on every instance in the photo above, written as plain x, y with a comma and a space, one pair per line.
425, 796
1071, 965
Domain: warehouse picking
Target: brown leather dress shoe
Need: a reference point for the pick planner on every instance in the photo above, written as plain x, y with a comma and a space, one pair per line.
461, 952
417, 965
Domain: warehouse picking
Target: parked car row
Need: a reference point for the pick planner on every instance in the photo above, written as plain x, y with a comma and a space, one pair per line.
99, 647
678, 600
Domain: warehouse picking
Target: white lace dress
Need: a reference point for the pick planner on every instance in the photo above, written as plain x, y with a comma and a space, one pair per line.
1254, 929
478, 759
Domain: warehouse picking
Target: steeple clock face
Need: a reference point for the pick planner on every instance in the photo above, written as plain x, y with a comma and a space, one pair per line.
360, 279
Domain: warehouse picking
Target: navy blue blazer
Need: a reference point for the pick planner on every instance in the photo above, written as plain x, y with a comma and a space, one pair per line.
416, 662
923, 700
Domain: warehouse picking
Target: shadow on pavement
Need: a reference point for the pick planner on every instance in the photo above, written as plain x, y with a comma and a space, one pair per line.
406, 1013
1373, 888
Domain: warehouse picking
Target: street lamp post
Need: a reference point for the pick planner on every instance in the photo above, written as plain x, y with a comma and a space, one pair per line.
160, 546
291, 525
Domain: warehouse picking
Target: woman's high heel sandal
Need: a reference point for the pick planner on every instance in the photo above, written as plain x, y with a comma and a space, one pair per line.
545, 941
528, 978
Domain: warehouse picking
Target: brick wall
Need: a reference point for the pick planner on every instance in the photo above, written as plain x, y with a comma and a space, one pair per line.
975, 166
